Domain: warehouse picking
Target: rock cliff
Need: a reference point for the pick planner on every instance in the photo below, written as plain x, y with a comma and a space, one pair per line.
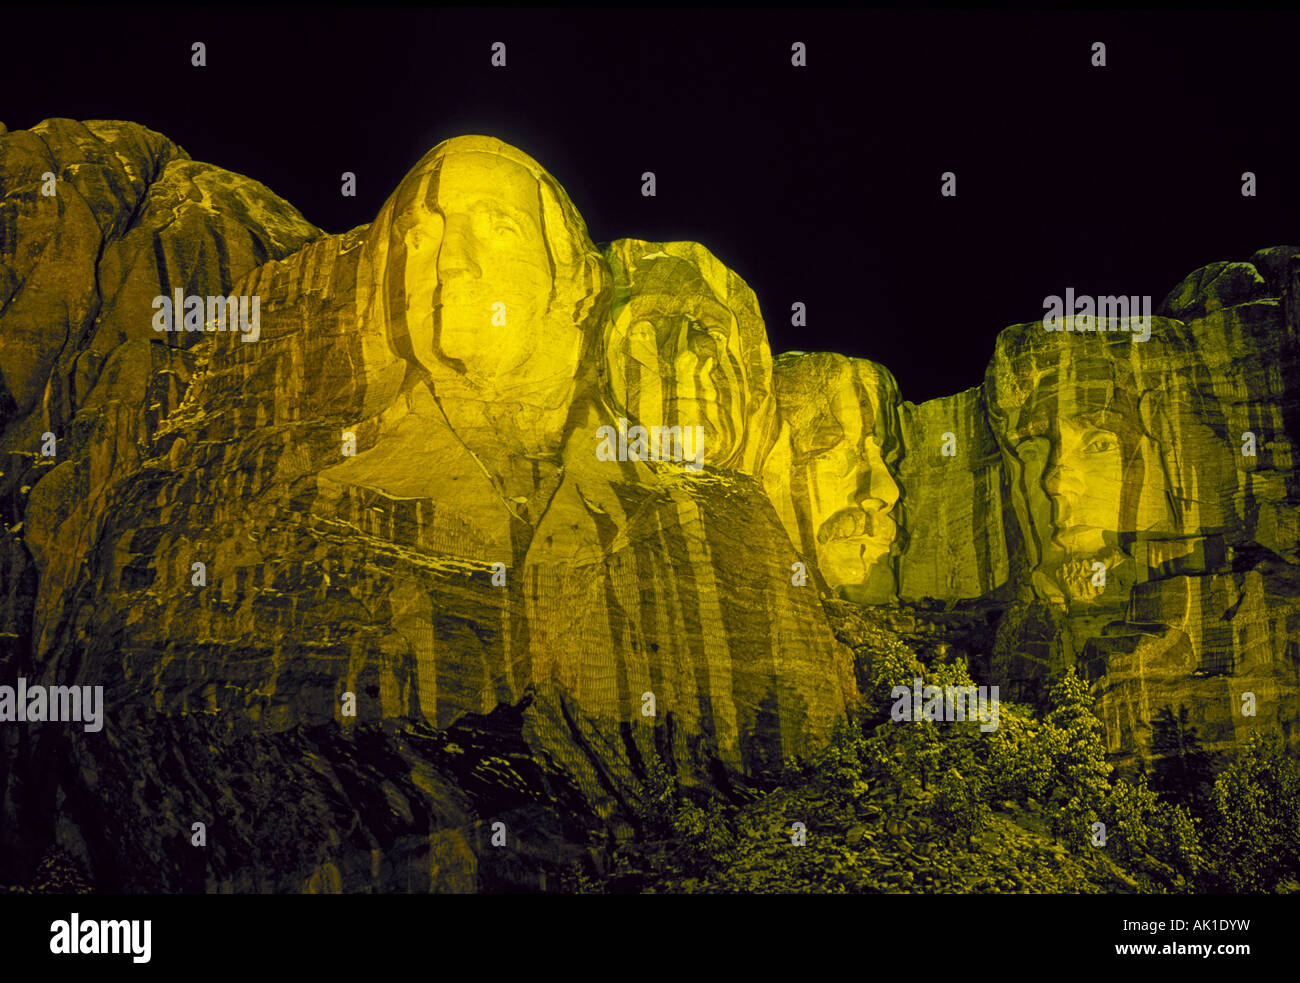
393, 546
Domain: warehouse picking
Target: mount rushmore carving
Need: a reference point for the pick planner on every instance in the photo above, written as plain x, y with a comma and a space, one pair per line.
397, 493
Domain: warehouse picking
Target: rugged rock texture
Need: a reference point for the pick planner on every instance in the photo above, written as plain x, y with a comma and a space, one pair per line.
960, 541
1211, 624
396, 500
486, 520
685, 346
1154, 488
128, 217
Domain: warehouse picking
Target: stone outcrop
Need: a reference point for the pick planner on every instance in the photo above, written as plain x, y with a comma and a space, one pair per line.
96, 220
484, 519
961, 542
377, 550
1154, 489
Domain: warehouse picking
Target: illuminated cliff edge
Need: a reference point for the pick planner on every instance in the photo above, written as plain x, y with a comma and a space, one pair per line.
474, 341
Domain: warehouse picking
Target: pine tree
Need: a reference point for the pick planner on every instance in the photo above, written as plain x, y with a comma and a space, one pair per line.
1079, 774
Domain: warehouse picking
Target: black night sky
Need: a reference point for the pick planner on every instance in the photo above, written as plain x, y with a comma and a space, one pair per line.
818, 184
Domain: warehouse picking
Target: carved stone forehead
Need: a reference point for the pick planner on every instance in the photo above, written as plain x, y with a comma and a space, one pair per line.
824, 395
1039, 379
685, 278
483, 175
669, 285
515, 177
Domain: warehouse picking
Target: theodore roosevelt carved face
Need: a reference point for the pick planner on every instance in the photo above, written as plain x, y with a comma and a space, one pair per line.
843, 419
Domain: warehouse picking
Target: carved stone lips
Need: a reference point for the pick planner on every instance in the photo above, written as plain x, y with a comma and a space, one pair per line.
1071, 533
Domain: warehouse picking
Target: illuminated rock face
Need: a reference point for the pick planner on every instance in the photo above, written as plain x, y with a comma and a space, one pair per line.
131, 218
839, 497
1219, 596
395, 495
482, 276
962, 541
479, 293
685, 346
1158, 532
1106, 450
421, 491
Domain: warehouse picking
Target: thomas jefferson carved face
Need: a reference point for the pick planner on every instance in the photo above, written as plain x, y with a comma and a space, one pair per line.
686, 347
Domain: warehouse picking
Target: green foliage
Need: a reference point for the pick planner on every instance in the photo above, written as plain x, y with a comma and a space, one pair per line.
1079, 786
949, 674
706, 839
1071, 819
894, 664
840, 768
920, 749
884, 758
1129, 813
960, 804
659, 799
1177, 841
1021, 756
964, 742
1143, 826
906, 806
1255, 819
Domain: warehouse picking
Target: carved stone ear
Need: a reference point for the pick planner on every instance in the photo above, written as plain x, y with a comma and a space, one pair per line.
565, 249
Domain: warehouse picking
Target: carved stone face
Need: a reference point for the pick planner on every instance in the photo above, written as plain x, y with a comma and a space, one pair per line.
486, 276
1074, 477
477, 274
686, 347
1081, 472
1082, 436
678, 347
843, 417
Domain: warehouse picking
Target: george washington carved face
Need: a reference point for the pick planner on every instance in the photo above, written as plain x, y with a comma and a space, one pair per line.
478, 275
489, 277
